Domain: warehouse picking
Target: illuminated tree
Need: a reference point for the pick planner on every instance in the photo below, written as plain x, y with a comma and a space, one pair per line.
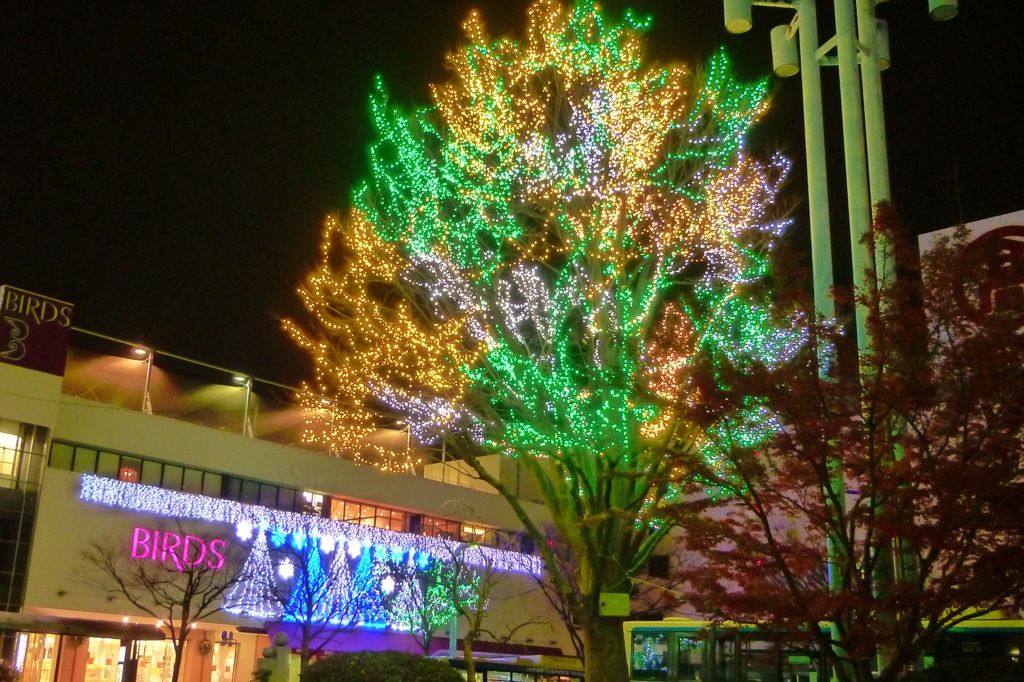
529, 270
423, 603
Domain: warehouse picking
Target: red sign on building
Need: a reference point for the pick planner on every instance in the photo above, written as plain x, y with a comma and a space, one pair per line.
34, 330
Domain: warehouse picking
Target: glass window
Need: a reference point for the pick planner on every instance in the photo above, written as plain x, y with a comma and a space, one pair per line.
250, 492
172, 477
108, 464
212, 484
10, 443
474, 534
61, 455
192, 481
312, 503
152, 472
650, 656
232, 488
690, 649
286, 499
130, 470
268, 495
85, 460
442, 528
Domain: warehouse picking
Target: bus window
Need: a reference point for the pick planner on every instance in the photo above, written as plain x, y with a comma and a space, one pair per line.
650, 656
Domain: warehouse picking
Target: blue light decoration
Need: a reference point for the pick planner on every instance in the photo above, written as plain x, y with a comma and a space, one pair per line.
308, 602
145, 499
343, 596
369, 608
277, 537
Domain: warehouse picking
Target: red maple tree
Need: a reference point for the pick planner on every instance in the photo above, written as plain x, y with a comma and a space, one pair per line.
887, 509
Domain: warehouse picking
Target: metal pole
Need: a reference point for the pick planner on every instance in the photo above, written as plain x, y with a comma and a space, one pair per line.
247, 422
874, 122
814, 143
147, 403
856, 162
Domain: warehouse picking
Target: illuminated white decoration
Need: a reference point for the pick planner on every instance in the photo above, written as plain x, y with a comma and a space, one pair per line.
243, 529
145, 499
286, 569
387, 586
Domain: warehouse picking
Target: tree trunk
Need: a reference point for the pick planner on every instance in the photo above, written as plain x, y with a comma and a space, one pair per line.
304, 654
467, 657
605, 651
179, 649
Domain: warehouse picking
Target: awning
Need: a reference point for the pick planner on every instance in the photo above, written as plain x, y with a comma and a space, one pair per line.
53, 625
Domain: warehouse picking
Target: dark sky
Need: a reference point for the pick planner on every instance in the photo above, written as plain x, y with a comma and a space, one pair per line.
166, 165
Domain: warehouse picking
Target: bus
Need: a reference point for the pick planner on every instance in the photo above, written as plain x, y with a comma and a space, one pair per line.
688, 650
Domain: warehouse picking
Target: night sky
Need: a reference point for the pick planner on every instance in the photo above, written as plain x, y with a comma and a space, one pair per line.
166, 165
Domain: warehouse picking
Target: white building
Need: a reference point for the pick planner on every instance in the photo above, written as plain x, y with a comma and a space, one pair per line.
107, 451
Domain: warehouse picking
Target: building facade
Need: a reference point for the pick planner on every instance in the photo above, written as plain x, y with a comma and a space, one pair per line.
113, 453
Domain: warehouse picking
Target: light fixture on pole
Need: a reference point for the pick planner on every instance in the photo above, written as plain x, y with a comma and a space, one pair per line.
143, 353
246, 383
942, 10
737, 16
785, 56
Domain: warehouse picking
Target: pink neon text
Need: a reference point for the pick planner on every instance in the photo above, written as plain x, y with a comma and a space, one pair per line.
180, 550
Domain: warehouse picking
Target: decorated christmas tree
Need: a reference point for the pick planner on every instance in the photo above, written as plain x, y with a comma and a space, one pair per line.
531, 269
254, 594
368, 606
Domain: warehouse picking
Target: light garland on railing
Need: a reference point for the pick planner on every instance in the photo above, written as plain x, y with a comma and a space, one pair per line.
147, 499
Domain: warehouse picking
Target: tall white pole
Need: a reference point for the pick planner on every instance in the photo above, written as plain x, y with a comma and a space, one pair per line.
814, 144
856, 162
874, 121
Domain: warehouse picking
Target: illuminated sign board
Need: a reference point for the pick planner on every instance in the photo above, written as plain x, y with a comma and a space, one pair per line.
34, 330
178, 550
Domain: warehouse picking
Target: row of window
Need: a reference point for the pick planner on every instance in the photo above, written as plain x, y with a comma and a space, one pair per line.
201, 482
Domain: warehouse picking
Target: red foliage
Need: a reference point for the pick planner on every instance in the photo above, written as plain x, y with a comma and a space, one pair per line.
927, 431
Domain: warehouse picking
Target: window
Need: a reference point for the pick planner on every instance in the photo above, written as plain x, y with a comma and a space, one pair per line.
85, 460
172, 477
232, 488
212, 484
268, 495
650, 656
312, 503
152, 473
9, 444
250, 492
441, 528
130, 470
61, 455
108, 465
286, 499
192, 481
479, 535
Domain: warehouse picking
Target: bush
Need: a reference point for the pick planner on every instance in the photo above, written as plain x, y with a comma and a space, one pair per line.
999, 670
386, 666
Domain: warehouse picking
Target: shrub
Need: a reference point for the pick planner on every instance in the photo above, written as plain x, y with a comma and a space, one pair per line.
386, 666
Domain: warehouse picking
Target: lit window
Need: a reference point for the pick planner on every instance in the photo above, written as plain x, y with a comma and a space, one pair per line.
9, 443
312, 503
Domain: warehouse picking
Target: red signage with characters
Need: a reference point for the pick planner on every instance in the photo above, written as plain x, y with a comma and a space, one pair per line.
34, 330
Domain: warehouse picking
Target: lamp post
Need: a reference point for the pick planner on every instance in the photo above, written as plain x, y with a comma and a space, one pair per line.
860, 38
